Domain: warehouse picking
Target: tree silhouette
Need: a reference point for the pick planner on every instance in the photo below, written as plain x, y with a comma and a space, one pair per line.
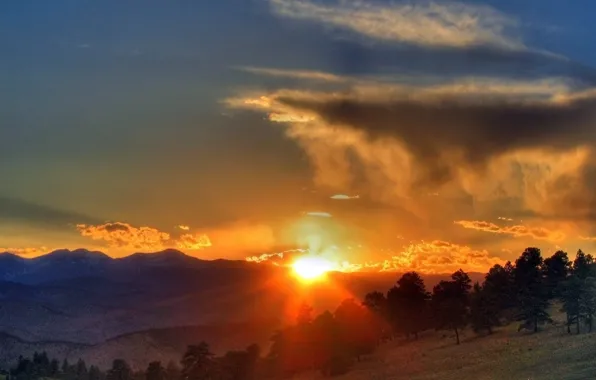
155, 371
120, 371
579, 293
241, 365
450, 301
407, 304
484, 312
556, 269
532, 295
356, 328
498, 287
81, 370
197, 363
94, 373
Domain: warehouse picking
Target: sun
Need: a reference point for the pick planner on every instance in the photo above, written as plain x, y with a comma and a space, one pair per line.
309, 268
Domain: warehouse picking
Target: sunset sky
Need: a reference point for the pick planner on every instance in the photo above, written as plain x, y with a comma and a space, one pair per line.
389, 135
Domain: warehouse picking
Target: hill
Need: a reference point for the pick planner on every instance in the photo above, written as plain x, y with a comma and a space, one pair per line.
139, 348
548, 355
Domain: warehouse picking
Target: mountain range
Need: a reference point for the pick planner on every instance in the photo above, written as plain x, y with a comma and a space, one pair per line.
149, 306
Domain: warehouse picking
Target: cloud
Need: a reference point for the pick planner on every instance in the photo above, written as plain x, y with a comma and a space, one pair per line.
125, 236
183, 227
319, 214
344, 197
425, 257
429, 24
538, 233
491, 139
27, 252
193, 241
296, 74
39, 214
438, 257
276, 257
505, 219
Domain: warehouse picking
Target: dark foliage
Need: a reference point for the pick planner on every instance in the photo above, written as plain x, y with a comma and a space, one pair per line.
407, 305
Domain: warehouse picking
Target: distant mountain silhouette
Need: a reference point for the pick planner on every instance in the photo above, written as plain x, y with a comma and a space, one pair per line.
66, 264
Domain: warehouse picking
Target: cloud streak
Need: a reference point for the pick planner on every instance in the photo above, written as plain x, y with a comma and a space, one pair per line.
538, 233
445, 24
343, 197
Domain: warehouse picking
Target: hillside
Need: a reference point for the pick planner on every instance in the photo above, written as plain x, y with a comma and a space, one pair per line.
141, 347
551, 354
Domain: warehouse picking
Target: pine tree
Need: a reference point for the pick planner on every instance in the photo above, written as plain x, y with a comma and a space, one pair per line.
450, 302
407, 304
483, 311
532, 296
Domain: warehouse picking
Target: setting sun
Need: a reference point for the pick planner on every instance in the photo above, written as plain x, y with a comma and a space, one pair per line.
311, 267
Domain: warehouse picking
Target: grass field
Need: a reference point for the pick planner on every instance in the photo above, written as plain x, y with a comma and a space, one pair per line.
551, 354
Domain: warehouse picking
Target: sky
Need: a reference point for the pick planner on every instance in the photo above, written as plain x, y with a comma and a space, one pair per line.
388, 135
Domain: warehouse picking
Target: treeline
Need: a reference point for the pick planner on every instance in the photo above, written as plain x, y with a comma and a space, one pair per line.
331, 342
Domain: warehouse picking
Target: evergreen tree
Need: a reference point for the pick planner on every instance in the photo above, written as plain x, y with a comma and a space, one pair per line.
197, 363
556, 269
579, 293
532, 295
407, 304
120, 371
450, 302
155, 371
94, 373
483, 311
81, 370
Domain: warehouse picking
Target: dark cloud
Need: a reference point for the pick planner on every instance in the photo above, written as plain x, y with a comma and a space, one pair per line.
38, 214
475, 130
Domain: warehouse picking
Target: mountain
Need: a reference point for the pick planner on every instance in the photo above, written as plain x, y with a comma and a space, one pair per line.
65, 264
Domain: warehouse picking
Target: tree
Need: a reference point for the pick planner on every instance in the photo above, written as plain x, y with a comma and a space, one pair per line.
532, 295
241, 365
94, 373
556, 269
570, 296
155, 371
484, 313
197, 363
81, 370
407, 304
376, 303
450, 301
498, 287
120, 371
579, 293
54, 368
357, 332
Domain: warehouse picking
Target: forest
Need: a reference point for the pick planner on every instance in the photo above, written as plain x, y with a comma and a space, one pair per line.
521, 292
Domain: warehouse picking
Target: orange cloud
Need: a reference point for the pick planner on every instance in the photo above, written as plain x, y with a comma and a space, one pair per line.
124, 235
538, 233
26, 252
438, 257
424, 257
184, 227
193, 241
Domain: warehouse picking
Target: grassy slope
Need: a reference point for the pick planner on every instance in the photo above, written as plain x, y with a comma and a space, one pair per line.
551, 354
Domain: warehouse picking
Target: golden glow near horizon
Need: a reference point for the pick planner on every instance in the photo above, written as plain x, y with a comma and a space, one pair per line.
311, 267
